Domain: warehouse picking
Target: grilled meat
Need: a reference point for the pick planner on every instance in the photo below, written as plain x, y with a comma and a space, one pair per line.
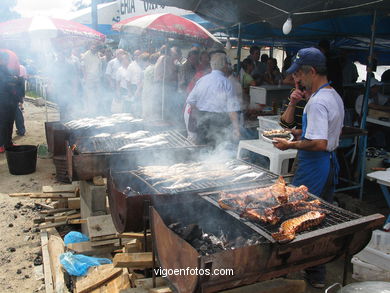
289, 228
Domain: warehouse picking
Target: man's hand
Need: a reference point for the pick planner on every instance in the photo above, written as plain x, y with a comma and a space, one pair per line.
297, 133
281, 143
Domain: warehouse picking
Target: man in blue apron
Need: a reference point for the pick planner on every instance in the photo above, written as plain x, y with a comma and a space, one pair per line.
322, 122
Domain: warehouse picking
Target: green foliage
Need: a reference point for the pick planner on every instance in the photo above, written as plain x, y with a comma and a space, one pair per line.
6, 10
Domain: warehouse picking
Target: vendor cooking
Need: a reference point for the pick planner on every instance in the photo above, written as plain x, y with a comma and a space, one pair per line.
216, 104
322, 122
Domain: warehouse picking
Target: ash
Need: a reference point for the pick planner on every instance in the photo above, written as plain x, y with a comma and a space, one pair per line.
207, 243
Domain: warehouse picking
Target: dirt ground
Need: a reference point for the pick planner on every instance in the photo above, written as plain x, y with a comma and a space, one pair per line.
19, 242
20, 251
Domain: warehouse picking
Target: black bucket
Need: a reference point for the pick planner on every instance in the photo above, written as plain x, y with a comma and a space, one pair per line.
21, 159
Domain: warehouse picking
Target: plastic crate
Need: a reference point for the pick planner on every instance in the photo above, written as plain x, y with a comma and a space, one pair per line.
380, 240
375, 257
363, 271
269, 122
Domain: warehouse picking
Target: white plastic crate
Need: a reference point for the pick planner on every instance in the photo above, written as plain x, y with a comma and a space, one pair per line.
380, 240
363, 271
375, 257
269, 122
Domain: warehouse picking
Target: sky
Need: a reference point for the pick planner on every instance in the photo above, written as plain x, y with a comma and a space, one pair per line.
55, 8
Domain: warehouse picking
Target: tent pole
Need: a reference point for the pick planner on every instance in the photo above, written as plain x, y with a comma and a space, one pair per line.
239, 46
363, 139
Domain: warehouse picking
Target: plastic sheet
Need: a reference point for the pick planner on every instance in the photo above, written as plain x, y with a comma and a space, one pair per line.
78, 264
75, 237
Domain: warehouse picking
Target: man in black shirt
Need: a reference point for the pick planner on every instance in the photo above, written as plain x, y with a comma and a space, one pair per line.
8, 102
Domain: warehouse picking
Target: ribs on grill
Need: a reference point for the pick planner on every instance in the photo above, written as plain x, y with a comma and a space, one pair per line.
288, 228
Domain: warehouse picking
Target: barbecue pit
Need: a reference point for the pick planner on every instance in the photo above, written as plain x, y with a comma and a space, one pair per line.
344, 233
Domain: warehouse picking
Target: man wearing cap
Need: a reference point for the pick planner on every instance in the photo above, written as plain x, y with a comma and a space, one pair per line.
322, 122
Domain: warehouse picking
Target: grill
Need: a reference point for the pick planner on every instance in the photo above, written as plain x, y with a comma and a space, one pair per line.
345, 233
147, 184
335, 216
109, 144
93, 156
128, 208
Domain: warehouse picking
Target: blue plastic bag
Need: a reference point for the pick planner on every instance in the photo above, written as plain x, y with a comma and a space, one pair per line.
75, 237
78, 264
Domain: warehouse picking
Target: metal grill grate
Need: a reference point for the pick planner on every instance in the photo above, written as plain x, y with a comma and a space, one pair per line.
334, 216
205, 185
111, 145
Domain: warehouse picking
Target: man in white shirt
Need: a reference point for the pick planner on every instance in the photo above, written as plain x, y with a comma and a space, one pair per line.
322, 122
376, 100
112, 68
216, 104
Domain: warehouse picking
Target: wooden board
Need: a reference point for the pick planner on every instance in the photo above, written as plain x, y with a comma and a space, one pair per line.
59, 188
87, 249
119, 284
100, 226
134, 245
61, 210
77, 221
147, 283
46, 263
52, 225
42, 195
105, 242
133, 260
96, 277
56, 248
160, 290
74, 203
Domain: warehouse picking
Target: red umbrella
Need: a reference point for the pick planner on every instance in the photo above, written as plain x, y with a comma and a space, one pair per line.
168, 24
46, 27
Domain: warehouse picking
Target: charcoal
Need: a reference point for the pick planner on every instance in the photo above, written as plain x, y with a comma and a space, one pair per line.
191, 232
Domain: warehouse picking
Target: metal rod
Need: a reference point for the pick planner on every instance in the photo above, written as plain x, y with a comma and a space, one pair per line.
363, 140
94, 14
239, 46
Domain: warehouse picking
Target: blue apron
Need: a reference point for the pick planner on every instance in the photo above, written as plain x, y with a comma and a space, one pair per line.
318, 171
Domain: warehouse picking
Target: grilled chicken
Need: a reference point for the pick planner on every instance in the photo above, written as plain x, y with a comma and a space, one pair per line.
289, 228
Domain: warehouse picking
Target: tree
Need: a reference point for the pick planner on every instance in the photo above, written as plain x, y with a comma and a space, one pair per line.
6, 10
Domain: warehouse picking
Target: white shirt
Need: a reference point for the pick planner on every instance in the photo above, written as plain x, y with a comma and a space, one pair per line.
92, 66
325, 117
237, 89
134, 73
382, 99
121, 75
214, 93
112, 67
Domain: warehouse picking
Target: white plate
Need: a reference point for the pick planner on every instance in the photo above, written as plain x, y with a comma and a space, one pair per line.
272, 141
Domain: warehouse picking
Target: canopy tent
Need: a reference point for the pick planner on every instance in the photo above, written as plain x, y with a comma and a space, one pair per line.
275, 12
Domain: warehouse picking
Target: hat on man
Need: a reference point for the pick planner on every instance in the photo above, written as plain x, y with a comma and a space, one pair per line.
374, 82
307, 56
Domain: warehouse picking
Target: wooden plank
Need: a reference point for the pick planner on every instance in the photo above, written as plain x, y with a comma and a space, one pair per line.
70, 188
77, 221
96, 277
53, 195
46, 263
56, 248
105, 242
160, 290
56, 219
100, 226
56, 211
147, 283
133, 260
134, 245
74, 203
139, 236
87, 249
119, 284
105, 237
52, 225
45, 206
62, 202
20, 194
